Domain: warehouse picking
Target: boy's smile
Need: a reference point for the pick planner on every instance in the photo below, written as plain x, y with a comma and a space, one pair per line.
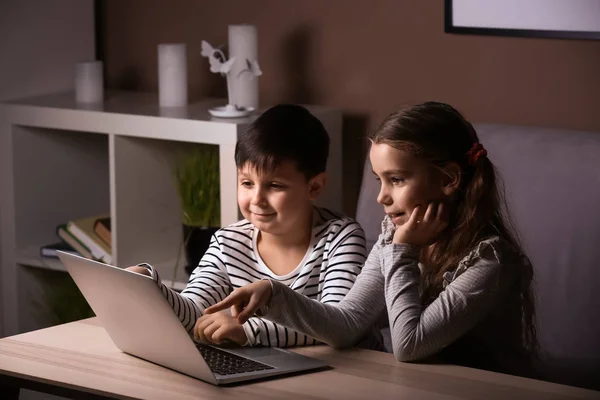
263, 216
276, 202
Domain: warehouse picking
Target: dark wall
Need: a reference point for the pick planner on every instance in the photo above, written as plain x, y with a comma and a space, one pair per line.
366, 57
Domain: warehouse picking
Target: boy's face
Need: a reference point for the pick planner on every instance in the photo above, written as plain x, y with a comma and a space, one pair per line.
279, 201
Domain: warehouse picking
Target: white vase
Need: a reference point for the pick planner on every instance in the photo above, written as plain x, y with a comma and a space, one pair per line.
243, 45
172, 75
89, 82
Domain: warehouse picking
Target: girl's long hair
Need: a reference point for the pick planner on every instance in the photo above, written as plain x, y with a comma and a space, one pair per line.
439, 134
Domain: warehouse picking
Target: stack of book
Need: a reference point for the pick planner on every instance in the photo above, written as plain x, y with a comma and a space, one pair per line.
89, 237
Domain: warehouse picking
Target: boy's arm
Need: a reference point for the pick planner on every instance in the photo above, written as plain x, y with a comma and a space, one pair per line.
208, 285
346, 257
262, 332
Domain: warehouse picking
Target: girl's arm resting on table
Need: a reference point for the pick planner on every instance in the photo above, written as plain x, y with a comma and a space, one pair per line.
419, 332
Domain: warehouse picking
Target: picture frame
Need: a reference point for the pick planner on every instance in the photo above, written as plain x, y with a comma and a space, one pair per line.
563, 19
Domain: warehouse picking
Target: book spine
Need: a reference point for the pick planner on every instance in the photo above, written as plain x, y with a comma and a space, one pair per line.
47, 252
64, 234
102, 232
96, 249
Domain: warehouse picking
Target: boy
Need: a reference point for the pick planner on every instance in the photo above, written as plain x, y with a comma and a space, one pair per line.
281, 163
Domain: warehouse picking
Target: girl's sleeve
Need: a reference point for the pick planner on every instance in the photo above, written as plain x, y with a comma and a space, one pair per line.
340, 324
419, 332
208, 284
345, 261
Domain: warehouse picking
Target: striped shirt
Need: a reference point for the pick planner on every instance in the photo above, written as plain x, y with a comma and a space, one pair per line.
332, 263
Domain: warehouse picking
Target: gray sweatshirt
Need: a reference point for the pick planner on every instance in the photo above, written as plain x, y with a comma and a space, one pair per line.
475, 321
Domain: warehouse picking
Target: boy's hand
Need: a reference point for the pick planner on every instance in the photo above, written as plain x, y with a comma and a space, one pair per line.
139, 270
216, 328
244, 301
423, 226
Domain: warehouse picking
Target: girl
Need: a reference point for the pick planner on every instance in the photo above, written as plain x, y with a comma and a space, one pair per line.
446, 266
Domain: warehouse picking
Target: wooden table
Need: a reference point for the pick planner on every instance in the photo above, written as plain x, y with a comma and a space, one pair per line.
79, 360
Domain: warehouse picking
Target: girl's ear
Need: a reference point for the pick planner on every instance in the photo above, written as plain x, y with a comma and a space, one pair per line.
451, 178
316, 185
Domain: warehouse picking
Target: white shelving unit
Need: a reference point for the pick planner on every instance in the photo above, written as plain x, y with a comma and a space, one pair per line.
61, 160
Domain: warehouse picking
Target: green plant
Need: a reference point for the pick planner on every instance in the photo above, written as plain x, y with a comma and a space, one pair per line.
198, 183
198, 186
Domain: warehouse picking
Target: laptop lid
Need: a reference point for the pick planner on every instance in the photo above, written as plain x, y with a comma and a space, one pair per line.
137, 316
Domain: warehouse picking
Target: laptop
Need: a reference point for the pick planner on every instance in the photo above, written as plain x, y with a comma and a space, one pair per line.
140, 321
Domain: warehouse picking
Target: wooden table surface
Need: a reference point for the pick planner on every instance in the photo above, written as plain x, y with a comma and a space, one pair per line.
79, 359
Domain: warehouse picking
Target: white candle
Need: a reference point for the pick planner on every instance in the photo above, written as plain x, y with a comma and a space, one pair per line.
89, 82
172, 75
243, 45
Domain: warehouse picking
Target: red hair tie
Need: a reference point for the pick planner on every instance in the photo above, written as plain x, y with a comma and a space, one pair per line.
476, 151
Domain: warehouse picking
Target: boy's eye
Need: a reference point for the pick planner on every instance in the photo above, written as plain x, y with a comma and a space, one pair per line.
276, 186
246, 184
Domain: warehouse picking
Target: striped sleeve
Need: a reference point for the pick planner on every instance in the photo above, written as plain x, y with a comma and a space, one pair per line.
262, 332
208, 284
346, 257
345, 253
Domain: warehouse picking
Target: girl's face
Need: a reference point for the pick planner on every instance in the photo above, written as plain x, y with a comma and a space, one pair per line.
406, 181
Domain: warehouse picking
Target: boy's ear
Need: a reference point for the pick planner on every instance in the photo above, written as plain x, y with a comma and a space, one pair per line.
451, 178
316, 185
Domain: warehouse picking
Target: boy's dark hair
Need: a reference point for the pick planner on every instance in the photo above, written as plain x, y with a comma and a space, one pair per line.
285, 132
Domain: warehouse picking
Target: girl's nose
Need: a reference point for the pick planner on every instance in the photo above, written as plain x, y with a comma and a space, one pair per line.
383, 197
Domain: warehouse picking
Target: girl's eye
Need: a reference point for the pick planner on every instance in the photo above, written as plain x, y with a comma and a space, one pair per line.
276, 186
377, 179
396, 180
247, 184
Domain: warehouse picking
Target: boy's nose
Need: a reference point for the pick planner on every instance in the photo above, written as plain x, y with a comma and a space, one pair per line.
258, 198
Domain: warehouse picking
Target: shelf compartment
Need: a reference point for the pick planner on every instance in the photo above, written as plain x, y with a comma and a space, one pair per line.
59, 176
147, 213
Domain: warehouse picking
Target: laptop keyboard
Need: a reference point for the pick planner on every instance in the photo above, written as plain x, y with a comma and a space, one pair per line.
224, 363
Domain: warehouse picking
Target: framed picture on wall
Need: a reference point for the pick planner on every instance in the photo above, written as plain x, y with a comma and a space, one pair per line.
567, 19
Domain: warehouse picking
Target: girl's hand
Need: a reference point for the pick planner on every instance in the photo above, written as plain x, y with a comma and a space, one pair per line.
216, 328
245, 301
423, 226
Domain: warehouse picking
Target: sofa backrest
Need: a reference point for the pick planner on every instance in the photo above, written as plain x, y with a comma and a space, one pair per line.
552, 185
